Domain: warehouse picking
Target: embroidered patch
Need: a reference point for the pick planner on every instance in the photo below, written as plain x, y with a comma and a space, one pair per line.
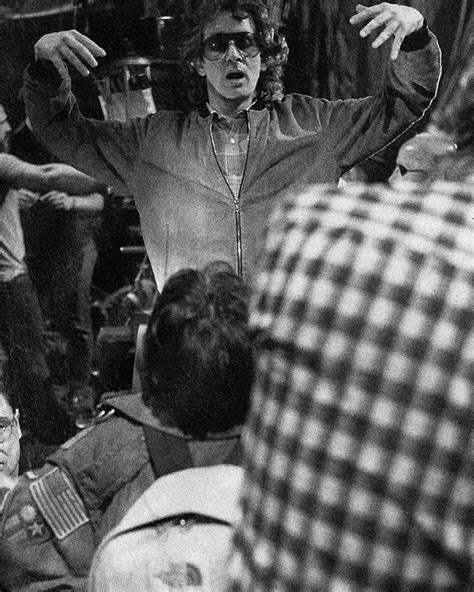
33, 525
27, 521
59, 503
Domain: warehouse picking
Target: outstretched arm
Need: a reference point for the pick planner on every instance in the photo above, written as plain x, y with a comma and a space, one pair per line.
106, 150
86, 204
397, 22
18, 174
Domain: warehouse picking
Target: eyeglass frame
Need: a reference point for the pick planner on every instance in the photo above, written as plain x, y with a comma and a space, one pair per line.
7, 431
255, 47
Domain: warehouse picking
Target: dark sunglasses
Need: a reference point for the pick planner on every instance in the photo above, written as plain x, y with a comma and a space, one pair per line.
215, 46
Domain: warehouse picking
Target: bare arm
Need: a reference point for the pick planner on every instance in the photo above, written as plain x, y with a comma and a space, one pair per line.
18, 174
87, 204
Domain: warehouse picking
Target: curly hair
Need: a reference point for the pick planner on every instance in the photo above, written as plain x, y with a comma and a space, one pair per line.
273, 47
198, 356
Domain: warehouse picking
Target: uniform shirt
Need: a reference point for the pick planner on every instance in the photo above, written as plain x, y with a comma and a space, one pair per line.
359, 444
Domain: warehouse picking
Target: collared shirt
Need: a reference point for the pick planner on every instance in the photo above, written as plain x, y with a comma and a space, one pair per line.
231, 140
359, 443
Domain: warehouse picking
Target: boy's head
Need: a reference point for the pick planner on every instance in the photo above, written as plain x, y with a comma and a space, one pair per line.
198, 356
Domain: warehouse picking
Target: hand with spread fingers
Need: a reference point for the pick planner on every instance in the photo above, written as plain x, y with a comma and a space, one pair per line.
397, 22
64, 48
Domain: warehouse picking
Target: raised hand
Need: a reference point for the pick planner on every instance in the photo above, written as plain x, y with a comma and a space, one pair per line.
397, 22
69, 47
57, 200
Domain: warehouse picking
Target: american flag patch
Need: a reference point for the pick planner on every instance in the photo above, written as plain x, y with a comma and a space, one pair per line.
59, 503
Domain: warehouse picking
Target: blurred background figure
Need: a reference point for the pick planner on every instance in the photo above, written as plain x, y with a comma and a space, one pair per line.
61, 253
25, 370
419, 157
445, 151
56, 188
10, 434
458, 121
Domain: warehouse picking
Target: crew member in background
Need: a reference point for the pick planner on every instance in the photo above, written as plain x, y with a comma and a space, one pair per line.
27, 375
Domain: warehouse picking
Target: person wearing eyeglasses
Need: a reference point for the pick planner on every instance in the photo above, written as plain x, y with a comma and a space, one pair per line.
204, 179
10, 434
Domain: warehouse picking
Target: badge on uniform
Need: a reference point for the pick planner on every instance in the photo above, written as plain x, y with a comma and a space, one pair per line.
27, 521
59, 503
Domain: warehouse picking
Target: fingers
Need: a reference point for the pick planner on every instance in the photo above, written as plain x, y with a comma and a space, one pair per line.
69, 47
397, 43
84, 48
390, 29
90, 45
27, 198
69, 55
56, 200
376, 22
397, 22
364, 13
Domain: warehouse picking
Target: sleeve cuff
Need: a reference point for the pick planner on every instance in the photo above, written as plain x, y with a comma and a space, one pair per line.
45, 71
417, 40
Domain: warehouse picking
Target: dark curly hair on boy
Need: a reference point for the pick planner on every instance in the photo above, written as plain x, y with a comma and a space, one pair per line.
273, 47
198, 355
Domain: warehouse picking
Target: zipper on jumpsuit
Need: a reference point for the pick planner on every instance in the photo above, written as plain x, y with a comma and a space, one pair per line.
236, 198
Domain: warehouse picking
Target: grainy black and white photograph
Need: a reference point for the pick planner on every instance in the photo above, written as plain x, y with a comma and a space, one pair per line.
236, 296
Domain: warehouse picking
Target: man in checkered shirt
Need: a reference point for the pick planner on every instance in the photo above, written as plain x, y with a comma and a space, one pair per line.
359, 446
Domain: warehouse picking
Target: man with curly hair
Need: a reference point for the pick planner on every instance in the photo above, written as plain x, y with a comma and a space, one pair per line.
204, 181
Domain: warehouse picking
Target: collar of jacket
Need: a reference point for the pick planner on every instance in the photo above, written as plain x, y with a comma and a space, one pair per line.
133, 407
258, 105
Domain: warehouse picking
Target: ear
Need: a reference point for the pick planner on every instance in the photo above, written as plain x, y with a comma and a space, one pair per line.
263, 66
17, 417
198, 66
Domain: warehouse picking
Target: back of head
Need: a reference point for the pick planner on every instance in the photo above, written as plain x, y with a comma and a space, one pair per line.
198, 358
418, 157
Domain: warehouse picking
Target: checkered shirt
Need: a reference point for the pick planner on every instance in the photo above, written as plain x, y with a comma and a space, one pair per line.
231, 140
359, 445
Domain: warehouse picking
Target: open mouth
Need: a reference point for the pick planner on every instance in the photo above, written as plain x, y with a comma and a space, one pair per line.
235, 75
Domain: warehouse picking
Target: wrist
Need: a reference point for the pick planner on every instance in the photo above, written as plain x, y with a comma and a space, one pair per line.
44, 70
418, 39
